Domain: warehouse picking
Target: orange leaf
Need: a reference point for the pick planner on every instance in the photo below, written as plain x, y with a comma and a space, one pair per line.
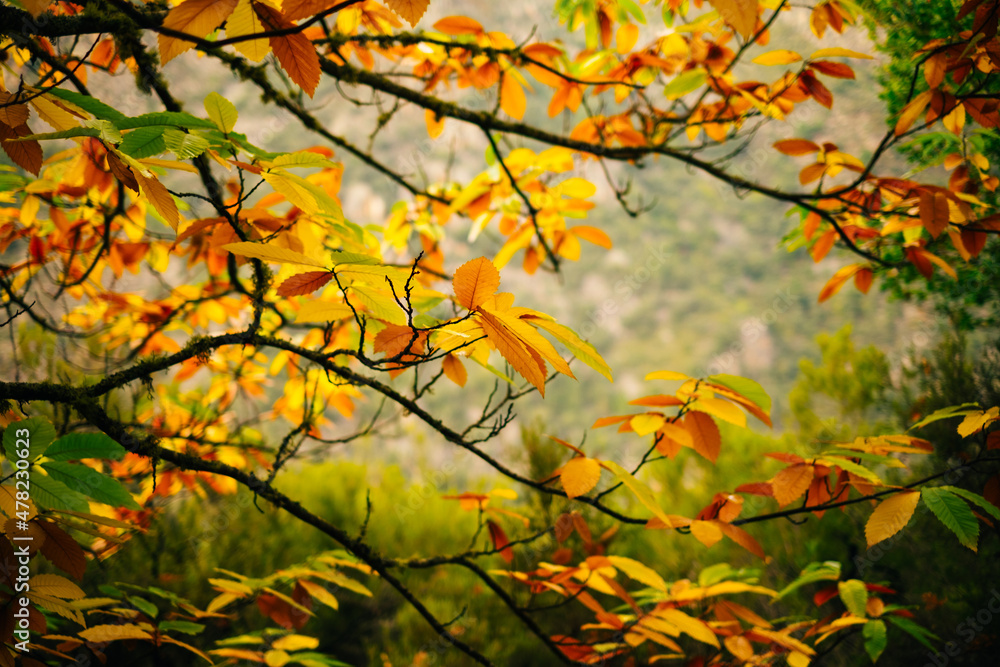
300, 9
459, 25
196, 18
706, 532
912, 110
823, 245
863, 280
395, 339
524, 360
838, 70
742, 538
789, 484
295, 53
435, 124
409, 10
819, 92
837, 281
512, 99
592, 234
579, 476
796, 146
304, 283
475, 282
705, 434
158, 196
455, 370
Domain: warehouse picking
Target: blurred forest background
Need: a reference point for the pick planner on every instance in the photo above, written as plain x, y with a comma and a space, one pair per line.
704, 281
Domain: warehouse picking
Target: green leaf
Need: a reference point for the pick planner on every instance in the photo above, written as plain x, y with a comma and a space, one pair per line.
76, 446
64, 134
91, 483
187, 627
312, 659
9, 182
167, 118
89, 104
875, 639
850, 466
954, 514
990, 508
184, 145
918, 632
641, 491
107, 131
684, 83
748, 389
947, 413
826, 571
222, 112
144, 142
51, 493
854, 596
145, 606
40, 435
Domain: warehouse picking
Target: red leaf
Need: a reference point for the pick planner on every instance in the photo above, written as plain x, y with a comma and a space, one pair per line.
25, 154
500, 540
304, 283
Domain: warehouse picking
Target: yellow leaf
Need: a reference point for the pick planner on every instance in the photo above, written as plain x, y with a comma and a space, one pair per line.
245, 21
890, 516
721, 409
645, 424
295, 642
529, 365
976, 421
695, 628
666, 375
777, 57
512, 99
837, 51
638, 571
626, 37
581, 349
196, 18
110, 633
741, 15
275, 658
475, 282
912, 110
528, 335
322, 311
580, 475
409, 10
55, 586
36, 7
706, 532
796, 659
318, 593
791, 483
271, 253
158, 196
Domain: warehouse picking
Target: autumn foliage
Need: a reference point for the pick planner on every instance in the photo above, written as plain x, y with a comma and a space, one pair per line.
221, 278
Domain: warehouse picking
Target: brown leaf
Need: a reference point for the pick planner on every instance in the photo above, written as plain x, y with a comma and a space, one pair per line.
792, 482
934, 212
122, 172
62, 550
304, 283
394, 339
25, 154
